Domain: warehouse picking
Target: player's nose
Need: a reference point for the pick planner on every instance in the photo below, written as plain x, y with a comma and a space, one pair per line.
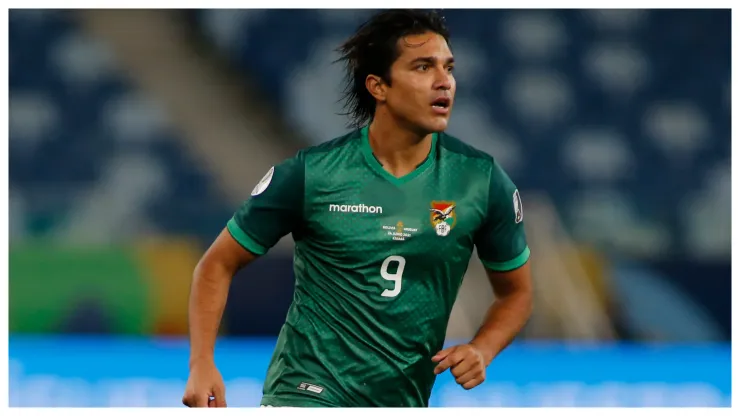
443, 82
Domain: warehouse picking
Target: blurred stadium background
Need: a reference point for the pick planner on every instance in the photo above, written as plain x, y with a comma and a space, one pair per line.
135, 134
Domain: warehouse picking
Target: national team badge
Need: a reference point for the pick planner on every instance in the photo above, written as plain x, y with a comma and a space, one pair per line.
443, 217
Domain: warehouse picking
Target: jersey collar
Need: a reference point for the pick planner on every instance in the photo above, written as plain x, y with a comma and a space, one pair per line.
376, 166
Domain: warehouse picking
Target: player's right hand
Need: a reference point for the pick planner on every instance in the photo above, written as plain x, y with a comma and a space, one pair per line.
205, 386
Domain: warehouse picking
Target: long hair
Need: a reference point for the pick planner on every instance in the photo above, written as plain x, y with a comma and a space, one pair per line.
373, 49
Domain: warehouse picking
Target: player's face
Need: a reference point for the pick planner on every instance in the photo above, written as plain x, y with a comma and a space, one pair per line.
422, 87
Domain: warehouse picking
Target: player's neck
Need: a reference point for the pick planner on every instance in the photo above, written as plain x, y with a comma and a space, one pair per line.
399, 150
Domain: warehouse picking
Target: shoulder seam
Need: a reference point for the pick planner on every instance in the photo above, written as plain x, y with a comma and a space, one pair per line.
330, 145
474, 153
478, 156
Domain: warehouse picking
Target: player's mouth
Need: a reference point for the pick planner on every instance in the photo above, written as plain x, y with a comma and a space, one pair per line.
441, 105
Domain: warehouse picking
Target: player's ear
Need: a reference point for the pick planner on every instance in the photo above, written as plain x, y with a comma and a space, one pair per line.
376, 86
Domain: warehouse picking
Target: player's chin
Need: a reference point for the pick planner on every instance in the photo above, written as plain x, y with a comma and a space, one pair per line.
437, 123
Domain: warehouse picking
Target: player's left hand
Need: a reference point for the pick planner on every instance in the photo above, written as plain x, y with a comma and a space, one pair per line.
466, 362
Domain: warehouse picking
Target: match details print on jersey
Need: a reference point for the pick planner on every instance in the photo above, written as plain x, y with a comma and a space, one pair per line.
378, 264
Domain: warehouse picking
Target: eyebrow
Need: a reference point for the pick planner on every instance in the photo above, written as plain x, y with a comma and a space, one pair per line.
431, 60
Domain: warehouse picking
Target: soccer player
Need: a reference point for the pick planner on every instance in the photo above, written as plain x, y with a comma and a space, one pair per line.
385, 219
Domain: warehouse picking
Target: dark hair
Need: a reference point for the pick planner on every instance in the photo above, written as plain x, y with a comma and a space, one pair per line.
373, 49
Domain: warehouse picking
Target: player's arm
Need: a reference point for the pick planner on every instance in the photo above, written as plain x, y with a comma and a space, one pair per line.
274, 210
209, 290
509, 312
502, 248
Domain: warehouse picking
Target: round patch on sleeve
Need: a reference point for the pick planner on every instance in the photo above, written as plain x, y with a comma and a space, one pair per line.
518, 211
264, 182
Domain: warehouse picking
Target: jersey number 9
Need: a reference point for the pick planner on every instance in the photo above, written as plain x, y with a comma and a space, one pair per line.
393, 277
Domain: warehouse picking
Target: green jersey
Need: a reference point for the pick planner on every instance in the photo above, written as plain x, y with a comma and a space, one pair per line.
378, 264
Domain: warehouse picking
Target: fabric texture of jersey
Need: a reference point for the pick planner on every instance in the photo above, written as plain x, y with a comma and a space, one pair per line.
378, 264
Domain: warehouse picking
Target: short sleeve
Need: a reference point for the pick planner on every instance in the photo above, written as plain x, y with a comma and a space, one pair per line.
274, 209
501, 241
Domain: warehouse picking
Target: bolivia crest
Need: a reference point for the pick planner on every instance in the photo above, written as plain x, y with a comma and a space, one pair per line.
443, 217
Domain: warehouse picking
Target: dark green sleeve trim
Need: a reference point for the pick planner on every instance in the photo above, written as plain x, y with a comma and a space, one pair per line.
243, 239
510, 265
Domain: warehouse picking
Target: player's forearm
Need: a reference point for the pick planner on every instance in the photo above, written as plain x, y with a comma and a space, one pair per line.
207, 302
504, 320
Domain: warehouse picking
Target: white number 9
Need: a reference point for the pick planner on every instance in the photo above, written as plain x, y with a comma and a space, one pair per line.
393, 277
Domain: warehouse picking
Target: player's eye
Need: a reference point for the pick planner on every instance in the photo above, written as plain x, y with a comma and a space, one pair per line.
450, 68
423, 67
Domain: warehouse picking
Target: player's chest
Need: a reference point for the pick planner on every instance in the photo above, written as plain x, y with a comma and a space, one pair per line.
359, 219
